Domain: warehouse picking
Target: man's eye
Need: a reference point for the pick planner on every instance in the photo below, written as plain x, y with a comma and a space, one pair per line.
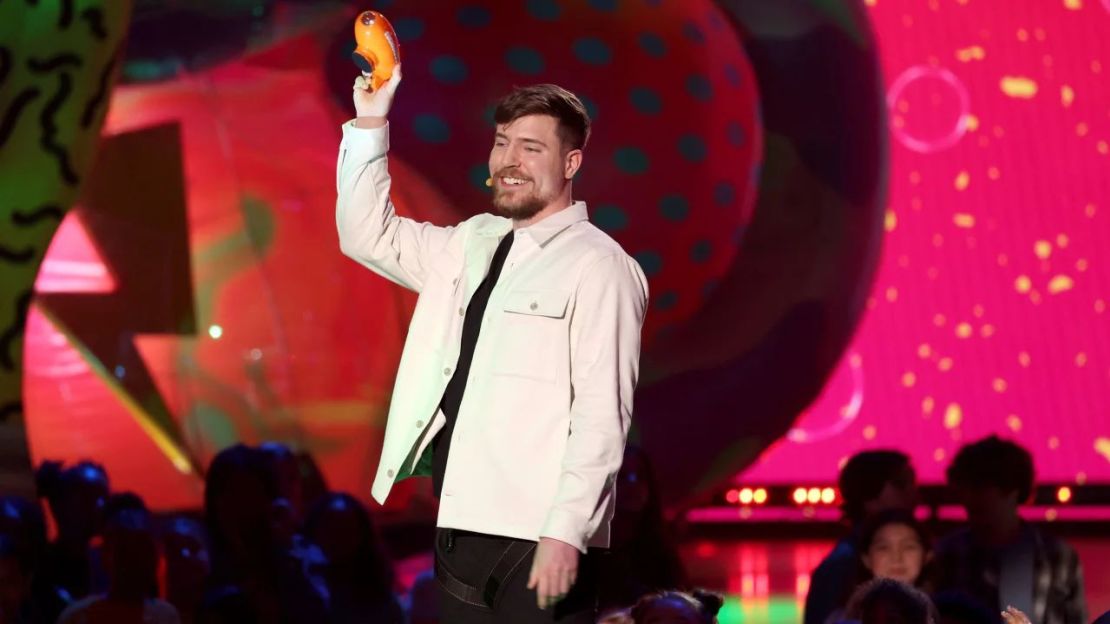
531, 149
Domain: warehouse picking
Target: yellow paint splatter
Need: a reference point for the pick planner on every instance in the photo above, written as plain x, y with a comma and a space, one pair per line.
909, 379
978, 310
962, 180
964, 220
1059, 284
1050, 515
1081, 265
924, 351
945, 364
953, 416
1067, 96
1080, 359
1073, 5
1096, 67
872, 3
1081, 478
999, 385
1013, 422
915, 177
1100, 306
927, 405
892, 294
963, 330
1102, 447
1018, 87
869, 432
1062, 240
972, 122
938, 240
1081, 129
891, 221
1022, 284
1103, 148
1054, 443
1089, 211
993, 173
939, 320
987, 330
1024, 359
1043, 249
1022, 35
938, 455
1003, 260
971, 53
1039, 34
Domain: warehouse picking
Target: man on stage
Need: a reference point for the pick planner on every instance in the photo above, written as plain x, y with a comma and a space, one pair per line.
515, 387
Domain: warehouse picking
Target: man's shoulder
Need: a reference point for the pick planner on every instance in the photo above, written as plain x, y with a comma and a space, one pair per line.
593, 244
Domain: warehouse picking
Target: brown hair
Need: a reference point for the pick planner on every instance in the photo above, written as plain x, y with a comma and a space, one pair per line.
552, 100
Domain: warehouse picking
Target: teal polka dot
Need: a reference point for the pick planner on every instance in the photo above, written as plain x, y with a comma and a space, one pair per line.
715, 20
652, 44
724, 193
474, 16
735, 133
431, 128
490, 115
449, 69
666, 301
592, 51
650, 261
631, 160
645, 100
674, 207
408, 28
478, 175
524, 60
699, 88
738, 235
701, 251
604, 5
591, 106
756, 173
544, 10
709, 286
693, 33
732, 75
692, 148
610, 217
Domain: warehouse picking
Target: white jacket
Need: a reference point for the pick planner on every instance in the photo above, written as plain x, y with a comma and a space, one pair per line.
541, 429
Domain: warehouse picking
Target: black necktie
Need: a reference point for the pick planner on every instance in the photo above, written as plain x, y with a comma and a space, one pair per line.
452, 396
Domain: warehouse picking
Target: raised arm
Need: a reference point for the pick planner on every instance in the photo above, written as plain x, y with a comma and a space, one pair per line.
370, 231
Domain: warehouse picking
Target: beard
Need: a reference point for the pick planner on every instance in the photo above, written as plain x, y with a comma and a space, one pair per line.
523, 206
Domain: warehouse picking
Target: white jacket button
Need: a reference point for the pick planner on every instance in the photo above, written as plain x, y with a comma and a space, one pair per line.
447, 371
534, 305
389, 473
419, 424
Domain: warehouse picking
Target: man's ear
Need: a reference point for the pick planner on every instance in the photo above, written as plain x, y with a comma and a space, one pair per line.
571, 163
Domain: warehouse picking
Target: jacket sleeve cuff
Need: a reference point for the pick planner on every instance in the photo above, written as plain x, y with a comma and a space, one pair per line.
564, 527
365, 144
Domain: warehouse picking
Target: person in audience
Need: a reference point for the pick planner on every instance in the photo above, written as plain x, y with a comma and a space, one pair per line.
997, 558
187, 565
23, 526
253, 558
870, 482
77, 498
676, 607
131, 560
887, 601
359, 575
642, 557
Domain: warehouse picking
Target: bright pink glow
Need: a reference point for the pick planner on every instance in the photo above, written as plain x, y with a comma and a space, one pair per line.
72, 264
988, 314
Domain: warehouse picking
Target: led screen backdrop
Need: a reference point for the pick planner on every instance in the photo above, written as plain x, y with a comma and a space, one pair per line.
989, 310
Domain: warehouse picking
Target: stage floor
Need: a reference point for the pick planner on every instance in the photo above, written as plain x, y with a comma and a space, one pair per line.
766, 581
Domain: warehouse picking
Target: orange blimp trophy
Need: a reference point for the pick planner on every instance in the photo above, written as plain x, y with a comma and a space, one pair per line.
377, 51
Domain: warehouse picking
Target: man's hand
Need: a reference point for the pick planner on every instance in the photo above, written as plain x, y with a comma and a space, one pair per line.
1014, 616
554, 570
372, 107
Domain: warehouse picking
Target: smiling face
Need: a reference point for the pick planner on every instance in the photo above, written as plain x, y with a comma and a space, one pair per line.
530, 167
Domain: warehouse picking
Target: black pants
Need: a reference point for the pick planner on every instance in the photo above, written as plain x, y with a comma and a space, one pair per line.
483, 579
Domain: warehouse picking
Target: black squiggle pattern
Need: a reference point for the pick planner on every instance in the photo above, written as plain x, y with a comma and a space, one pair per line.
65, 15
48, 65
11, 116
9, 410
94, 17
46, 211
22, 256
100, 96
46, 121
5, 64
8, 337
